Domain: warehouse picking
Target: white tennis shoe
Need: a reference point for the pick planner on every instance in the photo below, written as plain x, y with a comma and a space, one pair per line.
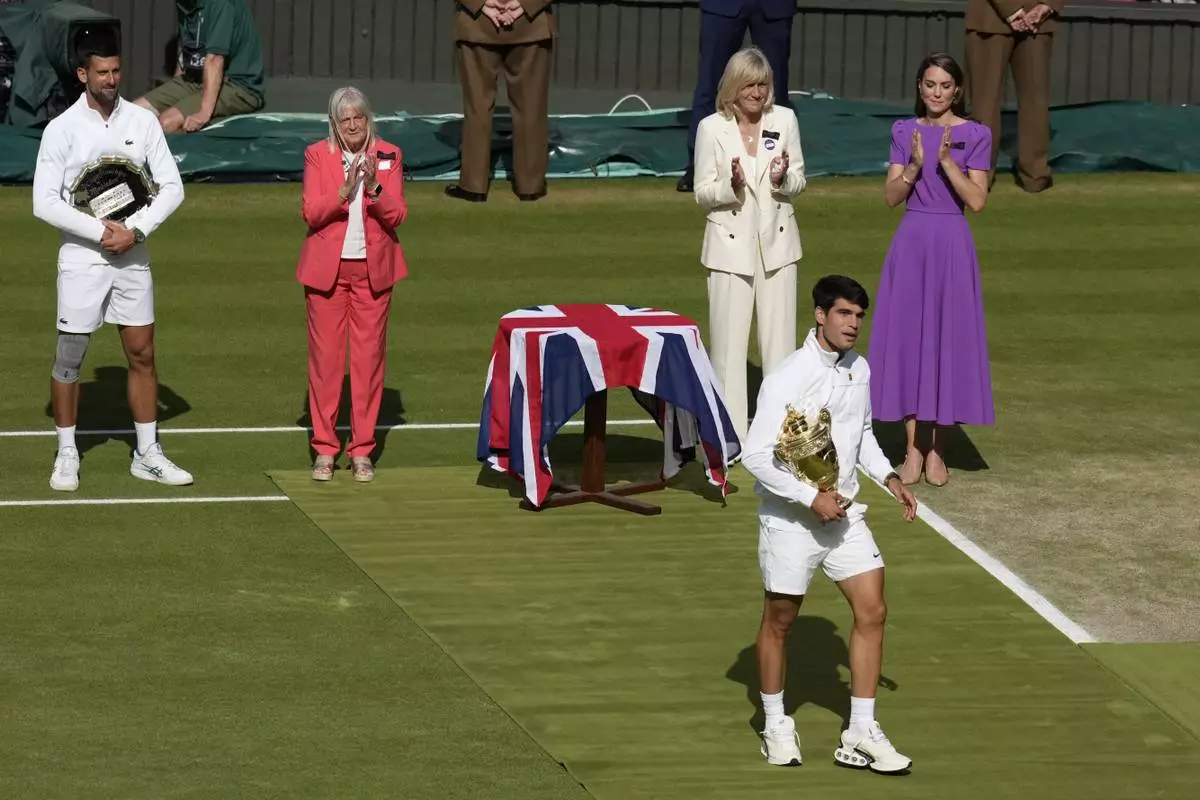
152, 465
870, 749
65, 477
781, 744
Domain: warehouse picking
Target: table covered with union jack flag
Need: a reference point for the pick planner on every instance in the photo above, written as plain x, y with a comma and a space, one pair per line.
550, 361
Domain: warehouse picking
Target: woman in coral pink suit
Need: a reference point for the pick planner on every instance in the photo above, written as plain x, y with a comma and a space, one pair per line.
353, 203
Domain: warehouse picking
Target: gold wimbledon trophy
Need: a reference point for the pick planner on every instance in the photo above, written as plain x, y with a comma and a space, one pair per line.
807, 450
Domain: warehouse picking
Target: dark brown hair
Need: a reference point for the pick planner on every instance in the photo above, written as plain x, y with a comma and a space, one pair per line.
946, 62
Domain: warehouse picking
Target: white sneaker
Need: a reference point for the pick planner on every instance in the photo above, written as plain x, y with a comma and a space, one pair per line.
65, 477
870, 749
781, 744
154, 466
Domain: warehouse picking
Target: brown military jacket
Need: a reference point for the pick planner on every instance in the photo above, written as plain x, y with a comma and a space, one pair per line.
471, 25
988, 16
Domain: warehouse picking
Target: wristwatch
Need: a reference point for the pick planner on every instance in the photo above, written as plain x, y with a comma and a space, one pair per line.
887, 478
138, 236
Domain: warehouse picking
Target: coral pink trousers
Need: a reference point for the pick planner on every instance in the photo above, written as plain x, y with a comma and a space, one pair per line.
350, 311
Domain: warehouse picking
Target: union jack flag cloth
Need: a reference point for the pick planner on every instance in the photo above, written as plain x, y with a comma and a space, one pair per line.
547, 360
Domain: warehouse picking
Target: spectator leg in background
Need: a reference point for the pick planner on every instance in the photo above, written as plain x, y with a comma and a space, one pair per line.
774, 38
478, 68
1031, 73
988, 55
527, 76
720, 38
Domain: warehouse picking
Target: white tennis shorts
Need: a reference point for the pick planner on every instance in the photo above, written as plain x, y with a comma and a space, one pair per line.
90, 295
789, 557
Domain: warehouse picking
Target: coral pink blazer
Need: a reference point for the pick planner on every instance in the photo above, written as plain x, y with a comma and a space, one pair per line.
327, 218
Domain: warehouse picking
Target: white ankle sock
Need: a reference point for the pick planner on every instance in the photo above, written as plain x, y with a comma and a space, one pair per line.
773, 708
66, 437
862, 712
147, 435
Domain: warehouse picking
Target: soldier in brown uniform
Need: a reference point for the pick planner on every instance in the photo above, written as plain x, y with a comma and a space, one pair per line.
1019, 33
514, 37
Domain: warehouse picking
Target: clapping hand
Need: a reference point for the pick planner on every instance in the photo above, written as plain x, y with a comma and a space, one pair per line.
779, 168
352, 175
917, 155
739, 177
369, 167
944, 147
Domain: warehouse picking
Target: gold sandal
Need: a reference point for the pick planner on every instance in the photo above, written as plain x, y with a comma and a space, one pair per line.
323, 468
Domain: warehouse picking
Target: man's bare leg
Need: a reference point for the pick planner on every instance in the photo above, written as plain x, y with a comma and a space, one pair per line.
143, 376
863, 744
781, 745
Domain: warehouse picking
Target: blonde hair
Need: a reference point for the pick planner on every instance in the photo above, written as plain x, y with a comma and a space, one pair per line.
342, 99
747, 68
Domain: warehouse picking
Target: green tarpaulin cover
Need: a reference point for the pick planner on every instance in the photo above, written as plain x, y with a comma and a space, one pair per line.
839, 137
41, 32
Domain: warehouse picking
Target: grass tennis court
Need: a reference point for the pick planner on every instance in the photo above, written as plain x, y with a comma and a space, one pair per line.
421, 637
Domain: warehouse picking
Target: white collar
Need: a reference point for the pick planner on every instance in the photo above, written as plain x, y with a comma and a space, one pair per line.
829, 358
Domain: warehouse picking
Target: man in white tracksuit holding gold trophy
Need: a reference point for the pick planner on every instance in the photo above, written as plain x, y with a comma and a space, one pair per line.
810, 434
106, 180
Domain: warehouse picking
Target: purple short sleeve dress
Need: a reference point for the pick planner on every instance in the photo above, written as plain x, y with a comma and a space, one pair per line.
928, 350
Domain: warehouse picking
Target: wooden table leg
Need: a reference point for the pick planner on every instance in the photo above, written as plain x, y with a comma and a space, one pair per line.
592, 488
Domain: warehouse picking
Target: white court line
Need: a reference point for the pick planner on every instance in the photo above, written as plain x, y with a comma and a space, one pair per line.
1009, 579
147, 501
418, 426
993, 566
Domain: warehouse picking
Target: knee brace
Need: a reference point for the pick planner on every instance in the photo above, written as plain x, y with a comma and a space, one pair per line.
68, 357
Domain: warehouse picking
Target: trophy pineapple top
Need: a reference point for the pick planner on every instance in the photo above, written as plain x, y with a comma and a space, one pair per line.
799, 437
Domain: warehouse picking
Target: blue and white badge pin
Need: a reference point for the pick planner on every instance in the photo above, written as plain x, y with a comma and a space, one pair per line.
769, 144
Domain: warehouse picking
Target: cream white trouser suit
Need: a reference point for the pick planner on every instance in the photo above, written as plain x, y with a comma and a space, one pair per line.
732, 302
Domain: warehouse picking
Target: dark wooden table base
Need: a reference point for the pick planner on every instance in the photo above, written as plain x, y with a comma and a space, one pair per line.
592, 488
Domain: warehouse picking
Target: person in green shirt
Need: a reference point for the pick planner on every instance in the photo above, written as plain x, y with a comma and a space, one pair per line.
219, 72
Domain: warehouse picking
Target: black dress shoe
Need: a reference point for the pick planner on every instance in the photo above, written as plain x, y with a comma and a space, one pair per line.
685, 183
459, 193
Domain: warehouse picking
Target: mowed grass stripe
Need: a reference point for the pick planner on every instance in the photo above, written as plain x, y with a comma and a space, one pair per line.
625, 646
164, 654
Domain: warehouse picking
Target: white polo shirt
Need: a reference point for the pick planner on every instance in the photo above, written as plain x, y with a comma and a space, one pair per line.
76, 138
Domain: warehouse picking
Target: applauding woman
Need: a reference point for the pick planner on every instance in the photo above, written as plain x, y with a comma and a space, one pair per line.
748, 167
353, 203
928, 351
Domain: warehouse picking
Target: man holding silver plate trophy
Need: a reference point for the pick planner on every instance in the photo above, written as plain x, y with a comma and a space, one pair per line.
107, 180
811, 432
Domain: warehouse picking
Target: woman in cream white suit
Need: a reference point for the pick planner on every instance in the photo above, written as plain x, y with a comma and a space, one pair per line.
748, 167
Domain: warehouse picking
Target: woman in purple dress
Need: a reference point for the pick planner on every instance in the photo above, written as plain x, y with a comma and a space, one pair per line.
928, 351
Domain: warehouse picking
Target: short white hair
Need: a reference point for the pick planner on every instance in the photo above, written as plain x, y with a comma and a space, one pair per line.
343, 99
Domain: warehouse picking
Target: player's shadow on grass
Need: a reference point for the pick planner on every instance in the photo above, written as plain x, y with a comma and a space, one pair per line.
958, 449
627, 458
104, 406
391, 413
815, 654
